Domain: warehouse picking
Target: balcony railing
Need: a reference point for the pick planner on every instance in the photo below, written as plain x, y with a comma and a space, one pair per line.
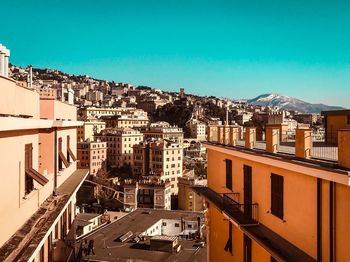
243, 214
228, 203
323, 147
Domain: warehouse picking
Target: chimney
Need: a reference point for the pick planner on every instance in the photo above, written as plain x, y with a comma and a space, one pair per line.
303, 142
344, 148
6, 62
226, 116
233, 135
272, 138
30, 77
250, 137
2, 60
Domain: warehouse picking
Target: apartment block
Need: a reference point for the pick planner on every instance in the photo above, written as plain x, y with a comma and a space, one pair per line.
39, 174
120, 142
160, 158
136, 119
271, 202
97, 112
92, 155
188, 199
164, 130
90, 127
147, 192
197, 129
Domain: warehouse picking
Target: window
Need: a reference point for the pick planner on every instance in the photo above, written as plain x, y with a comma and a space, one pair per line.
70, 154
228, 246
30, 173
164, 224
228, 174
62, 157
177, 225
277, 195
29, 185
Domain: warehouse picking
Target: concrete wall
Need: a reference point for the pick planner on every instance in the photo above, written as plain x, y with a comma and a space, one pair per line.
17, 100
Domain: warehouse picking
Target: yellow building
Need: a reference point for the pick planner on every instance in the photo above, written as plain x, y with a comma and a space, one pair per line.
38, 175
164, 130
90, 127
333, 122
92, 155
272, 202
187, 198
160, 158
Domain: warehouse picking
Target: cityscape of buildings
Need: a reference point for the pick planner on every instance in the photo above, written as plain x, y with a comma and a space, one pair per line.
102, 171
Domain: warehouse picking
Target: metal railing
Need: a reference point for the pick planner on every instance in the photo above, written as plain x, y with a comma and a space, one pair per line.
244, 214
324, 145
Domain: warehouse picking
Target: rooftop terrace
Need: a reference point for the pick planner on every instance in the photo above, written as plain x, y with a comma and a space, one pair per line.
305, 145
108, 248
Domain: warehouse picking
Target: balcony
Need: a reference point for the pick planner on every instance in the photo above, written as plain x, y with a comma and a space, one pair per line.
57, 110
228, 203
248, 222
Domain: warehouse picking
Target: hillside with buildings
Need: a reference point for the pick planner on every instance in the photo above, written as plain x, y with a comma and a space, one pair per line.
180, 173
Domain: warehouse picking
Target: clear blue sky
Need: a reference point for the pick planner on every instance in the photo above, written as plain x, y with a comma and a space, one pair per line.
237, 49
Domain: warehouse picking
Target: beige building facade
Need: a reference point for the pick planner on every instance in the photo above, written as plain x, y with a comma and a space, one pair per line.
38, 148
160, 158
120, 142
93, 156
187, 197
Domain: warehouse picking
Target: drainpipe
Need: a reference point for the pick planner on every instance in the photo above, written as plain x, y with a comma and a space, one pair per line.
55, 163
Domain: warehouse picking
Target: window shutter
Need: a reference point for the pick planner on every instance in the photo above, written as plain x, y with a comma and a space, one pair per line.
228, 174
277, 185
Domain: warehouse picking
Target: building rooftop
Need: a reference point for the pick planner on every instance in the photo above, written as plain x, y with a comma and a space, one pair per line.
335, 112
87, 216
109, 248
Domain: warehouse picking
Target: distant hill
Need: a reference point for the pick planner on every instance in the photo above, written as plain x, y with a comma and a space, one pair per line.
290, 103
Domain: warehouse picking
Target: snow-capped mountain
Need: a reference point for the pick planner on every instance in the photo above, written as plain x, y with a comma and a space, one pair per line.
289, 103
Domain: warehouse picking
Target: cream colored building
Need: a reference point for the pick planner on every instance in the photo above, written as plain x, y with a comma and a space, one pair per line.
160, 158
135, 119
197, 129
120, 142
147, 193
89, 128
92, 155
187, 197
38, 173
96, 112
164, 130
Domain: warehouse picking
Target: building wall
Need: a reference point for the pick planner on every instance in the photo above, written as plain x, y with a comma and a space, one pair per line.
92, 155
299, 194
86, 132
188, 199
299, 223
335, 123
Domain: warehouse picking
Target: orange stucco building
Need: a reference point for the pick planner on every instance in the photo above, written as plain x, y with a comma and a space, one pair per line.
276, 202
333, 122
38, 172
